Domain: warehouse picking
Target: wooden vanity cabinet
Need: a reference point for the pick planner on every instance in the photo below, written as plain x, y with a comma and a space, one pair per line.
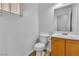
64, 47
57, 47
72, 48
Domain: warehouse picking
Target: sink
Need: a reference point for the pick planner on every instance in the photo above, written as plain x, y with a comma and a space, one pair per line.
64, 33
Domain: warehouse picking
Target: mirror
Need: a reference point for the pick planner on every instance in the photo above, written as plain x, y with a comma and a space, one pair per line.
63, 20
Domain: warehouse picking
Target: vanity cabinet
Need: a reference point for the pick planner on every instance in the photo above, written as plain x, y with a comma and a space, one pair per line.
57, 47
64, 47
72, 48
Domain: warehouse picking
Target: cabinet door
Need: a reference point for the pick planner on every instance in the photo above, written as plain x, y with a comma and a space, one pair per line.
72, 48
57, 47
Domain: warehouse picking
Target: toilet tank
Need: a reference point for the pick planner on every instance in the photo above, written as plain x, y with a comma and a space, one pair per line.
43, 38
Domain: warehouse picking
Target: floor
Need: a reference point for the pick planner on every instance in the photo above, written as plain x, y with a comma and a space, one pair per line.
34, 53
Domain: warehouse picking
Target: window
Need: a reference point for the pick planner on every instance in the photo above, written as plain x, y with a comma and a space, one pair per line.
15, 8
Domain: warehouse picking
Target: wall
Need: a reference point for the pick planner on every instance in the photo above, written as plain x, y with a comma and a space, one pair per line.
18, 34
46, 14
75, 18
78, 16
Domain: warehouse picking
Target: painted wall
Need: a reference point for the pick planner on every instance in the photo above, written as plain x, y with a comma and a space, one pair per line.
78, 16
75, 18
46, 14
18, 34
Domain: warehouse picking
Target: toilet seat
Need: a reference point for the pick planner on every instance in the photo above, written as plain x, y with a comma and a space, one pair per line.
39, 46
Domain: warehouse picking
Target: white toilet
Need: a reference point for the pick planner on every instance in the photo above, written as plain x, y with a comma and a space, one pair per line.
40, 46
43, 39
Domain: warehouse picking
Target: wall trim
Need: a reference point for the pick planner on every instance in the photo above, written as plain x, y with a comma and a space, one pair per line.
29, 52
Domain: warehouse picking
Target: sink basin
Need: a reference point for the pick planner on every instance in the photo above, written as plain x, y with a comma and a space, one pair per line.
66, 35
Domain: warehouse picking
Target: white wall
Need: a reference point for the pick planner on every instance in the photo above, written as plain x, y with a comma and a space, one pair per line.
75, 18
78, 16
17, 34
46, 18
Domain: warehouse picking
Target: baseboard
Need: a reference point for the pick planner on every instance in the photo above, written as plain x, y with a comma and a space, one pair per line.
29, 52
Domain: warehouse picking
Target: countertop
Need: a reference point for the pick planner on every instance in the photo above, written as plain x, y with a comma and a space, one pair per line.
66, 35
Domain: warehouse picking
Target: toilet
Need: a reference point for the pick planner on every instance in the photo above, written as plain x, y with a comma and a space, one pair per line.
40, 46
43, 39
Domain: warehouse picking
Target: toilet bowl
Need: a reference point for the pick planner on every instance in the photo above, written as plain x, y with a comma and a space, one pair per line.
40, 46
